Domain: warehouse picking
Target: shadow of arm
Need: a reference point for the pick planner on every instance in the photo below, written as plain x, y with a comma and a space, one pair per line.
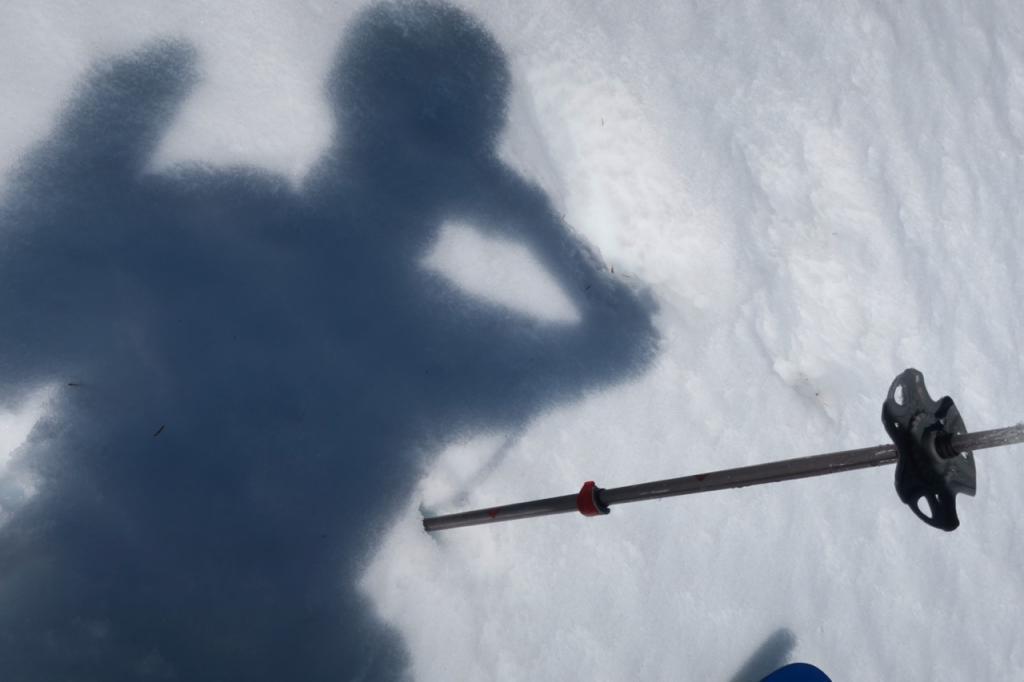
614, 337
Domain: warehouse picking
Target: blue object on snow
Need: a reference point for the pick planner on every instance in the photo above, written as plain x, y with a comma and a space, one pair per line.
797, 672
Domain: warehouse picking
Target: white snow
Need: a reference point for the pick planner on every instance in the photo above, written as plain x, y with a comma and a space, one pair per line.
818, 194
497, 271
17, 481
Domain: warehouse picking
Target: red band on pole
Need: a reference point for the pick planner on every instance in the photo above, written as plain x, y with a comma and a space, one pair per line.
587, 501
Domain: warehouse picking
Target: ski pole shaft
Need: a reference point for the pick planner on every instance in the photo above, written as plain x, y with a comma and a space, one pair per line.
771, 472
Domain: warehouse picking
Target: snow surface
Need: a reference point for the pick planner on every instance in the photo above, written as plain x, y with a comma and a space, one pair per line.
816, 195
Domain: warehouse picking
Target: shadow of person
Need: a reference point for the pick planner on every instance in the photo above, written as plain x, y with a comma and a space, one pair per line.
249, 374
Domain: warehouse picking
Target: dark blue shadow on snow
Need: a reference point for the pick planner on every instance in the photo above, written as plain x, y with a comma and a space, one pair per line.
771, 655
249, 372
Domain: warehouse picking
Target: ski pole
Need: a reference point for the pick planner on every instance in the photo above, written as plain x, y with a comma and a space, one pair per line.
931, 448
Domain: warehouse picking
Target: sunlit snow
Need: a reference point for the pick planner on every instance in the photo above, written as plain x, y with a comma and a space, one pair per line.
498, 271
17, 484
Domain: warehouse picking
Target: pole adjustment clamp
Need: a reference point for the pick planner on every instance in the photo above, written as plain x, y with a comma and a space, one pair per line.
588, 501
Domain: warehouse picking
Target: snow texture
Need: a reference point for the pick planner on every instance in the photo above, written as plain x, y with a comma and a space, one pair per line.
276, 279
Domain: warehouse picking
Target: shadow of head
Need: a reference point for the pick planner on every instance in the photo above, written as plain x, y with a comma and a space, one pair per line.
423, 74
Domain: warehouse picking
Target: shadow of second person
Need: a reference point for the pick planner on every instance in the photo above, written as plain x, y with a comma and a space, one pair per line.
420, 94
256, 369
